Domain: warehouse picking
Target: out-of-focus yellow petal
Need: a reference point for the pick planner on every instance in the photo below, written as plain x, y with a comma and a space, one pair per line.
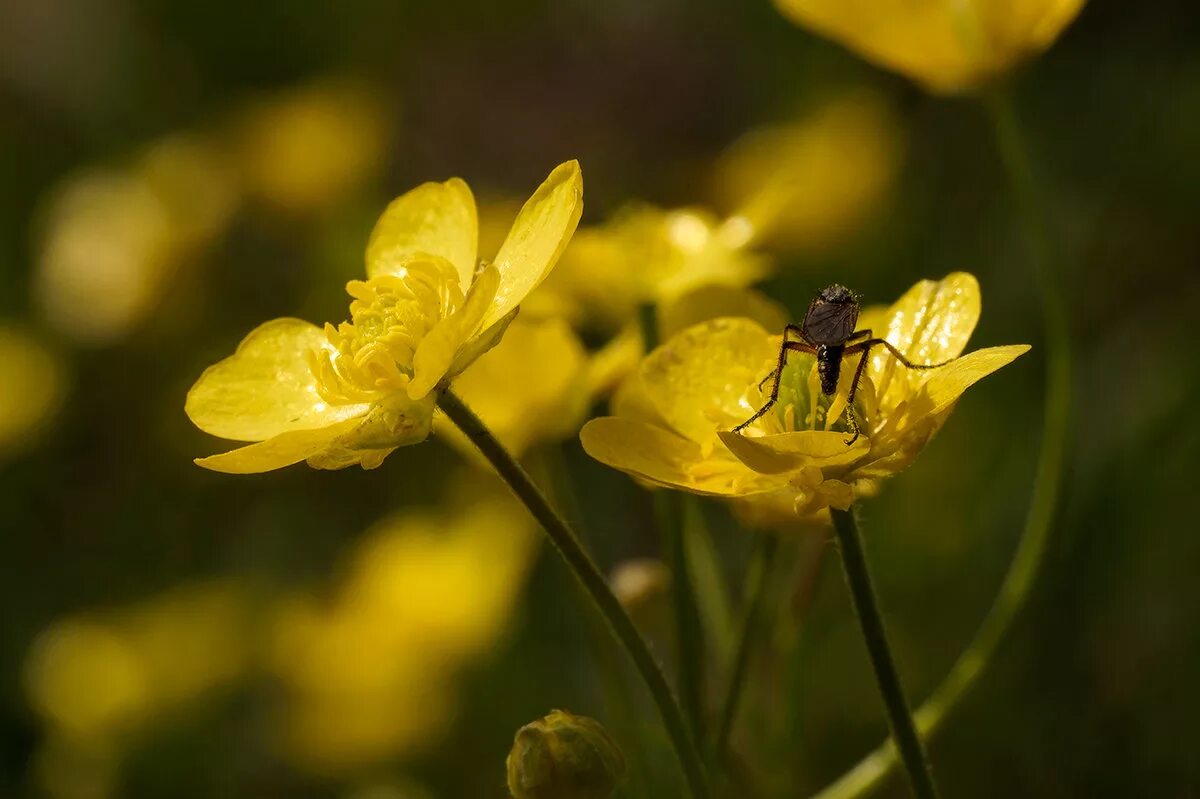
807, 185
785, 452
949, 45
307, 148
537, 238
33, 380
278, 451
266, 387
436, 352
944, 386
930, 324
432, 219
529, 387
715, 301
698, 379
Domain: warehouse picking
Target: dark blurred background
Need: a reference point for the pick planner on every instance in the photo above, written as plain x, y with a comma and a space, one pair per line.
282, 129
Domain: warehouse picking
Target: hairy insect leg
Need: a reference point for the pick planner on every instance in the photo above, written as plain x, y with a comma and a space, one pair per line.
851, 420
871, 342
784, 349
799, 331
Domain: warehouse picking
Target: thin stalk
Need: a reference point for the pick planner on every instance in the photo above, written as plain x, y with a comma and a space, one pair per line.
1047, 486
593, 582
858, 579
757, 580
689, 638
555, 474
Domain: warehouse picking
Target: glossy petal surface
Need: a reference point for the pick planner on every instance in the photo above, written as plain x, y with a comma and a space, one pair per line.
929, 324
537, 238
784, 452
667, 459
266, 387
698, 379
277, 451
432, 219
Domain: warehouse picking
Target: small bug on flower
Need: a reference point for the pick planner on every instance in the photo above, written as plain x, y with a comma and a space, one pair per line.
828, 333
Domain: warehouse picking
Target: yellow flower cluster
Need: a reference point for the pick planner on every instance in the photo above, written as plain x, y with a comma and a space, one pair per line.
673, 418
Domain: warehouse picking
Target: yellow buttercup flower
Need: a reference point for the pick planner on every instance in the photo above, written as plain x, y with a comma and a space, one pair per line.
674, 417
947, 45
647, 254
353, 393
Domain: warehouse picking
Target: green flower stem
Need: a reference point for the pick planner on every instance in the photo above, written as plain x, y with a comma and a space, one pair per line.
757, 579
858, 578
593, 582
689, 638
1047, 485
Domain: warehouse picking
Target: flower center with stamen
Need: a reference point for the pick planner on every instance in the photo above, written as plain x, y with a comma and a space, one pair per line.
371, 356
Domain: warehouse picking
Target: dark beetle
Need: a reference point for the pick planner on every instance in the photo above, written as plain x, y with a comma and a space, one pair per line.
828, 333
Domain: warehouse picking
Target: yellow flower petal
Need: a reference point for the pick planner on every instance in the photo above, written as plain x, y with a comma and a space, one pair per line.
277, 451
948, 46
930, 324
698, 379
666, 459
432, 219
438, 349
538, 237
266, 387
785, 452
944, 386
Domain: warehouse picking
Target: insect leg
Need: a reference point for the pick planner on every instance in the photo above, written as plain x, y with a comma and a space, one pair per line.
900, 356
788, 346
787, 329
851, 421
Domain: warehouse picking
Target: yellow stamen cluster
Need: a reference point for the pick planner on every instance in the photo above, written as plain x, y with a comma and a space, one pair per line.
371, 356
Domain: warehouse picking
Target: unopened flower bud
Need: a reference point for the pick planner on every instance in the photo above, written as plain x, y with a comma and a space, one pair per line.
564, 756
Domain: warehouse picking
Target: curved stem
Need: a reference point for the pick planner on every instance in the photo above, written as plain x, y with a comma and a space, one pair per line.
593, 582
1026, 563
756, 584
858, 578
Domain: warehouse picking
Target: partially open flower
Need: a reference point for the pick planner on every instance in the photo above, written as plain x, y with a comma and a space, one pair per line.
674, 417
948, 46
353, 393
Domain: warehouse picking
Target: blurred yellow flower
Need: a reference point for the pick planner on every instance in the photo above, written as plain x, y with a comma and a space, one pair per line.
806, 185
948, 45
306, 149
530, 387
428, 309
114, 238
98, 675
370, 673
33, 381
646, 254
674, 417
